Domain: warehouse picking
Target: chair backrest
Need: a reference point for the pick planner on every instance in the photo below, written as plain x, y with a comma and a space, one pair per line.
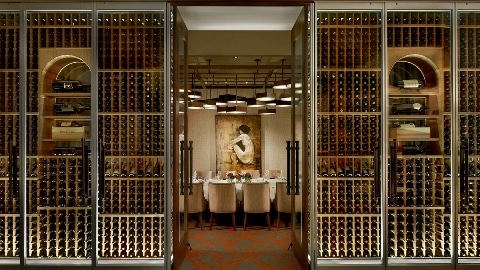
256, 197
204, 174
222, 197
283, 202
253, 173
272, 174
196, 201
223, 174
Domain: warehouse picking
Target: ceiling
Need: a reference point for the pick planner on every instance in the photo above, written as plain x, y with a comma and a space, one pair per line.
239, 18
242, 66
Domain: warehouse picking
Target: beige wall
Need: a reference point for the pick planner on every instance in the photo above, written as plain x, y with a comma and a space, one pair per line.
275, 133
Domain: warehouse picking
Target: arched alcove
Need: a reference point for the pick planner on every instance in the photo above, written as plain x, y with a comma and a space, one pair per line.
414, 67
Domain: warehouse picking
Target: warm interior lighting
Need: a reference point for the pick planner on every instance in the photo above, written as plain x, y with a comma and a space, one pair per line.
210, 103
193, 94
265, 96
285, 97
267, 111
283, 103
195, 105
236, 109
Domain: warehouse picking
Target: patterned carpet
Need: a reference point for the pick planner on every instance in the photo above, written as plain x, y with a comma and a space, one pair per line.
224, 248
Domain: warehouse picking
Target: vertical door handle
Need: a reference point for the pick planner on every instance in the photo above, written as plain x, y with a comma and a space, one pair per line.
190, 183
288, 166
84, 168
463, 172
297, 169
13, 167
393, 168
182, 149
101, 179
376, 170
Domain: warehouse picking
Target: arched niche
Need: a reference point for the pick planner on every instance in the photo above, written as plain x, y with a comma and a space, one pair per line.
412, 67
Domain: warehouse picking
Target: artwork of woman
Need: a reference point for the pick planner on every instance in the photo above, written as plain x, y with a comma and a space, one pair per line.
242, 146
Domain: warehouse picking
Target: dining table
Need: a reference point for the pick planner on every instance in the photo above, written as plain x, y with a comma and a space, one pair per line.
238, 186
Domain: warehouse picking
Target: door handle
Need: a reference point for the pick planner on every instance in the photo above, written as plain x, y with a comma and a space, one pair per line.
190, 183
297, 169
101, 179
13, 167
182, 149
463, 173
288, 166
393, 168
84, 168
376, 170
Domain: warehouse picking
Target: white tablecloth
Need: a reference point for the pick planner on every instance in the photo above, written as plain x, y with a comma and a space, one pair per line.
273, 187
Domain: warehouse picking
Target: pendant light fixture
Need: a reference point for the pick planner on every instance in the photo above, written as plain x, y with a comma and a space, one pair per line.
267, 111
210, 103
193, 94
237, 109
238, 99
253, 102
283, 85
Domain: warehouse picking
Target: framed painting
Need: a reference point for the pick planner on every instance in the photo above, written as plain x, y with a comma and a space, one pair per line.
238, 142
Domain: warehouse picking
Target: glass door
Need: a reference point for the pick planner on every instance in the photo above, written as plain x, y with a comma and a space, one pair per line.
10, 232
59, 61
299, 145
468, 125
131, 133
181, 153
419, 225
349, 95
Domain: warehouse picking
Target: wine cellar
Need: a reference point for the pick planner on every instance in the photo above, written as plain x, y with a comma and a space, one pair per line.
89, 113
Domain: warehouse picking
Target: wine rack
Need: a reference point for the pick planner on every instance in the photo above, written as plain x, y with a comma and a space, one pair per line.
468, 124
9, 131
419, 173
131, 129
348, 131
58, 176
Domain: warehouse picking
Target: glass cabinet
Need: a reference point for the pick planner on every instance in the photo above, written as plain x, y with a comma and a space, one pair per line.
85, 111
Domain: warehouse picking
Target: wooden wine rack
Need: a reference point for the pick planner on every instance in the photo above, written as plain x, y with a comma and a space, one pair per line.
9, 130
469, 123
131, 128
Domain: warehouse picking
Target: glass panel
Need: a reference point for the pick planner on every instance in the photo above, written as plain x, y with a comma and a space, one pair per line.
58, 139
418, 50
348, 96
469, 126
131, 127
9, 134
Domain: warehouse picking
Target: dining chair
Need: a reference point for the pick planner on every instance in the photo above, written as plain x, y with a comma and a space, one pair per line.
282, 201
256, 199
253, 173
222, 199
196, 202
272, 174
204, 174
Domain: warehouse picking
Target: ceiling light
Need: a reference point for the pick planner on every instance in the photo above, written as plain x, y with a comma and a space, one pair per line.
285, 97
265, 96
195, 105
192, 93
267, 111
210, 103
221, 110
254, 103
236, 110
283, 103
282, 84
